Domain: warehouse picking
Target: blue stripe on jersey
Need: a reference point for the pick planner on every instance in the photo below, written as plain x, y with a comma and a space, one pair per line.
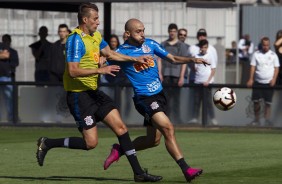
103, 44
76, 48
145, 80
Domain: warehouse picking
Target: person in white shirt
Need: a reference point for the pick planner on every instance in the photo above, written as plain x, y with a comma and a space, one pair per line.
263, 73
204, 75
246, 49
195, 49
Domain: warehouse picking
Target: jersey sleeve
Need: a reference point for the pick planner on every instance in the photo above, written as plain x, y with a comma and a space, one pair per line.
103, 44
159, 50
74, 48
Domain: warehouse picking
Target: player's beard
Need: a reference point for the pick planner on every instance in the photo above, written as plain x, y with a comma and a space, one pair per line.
136, 42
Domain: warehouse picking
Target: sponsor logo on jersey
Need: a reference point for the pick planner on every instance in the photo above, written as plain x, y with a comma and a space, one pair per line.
145, 48
154, 86
139, 67
88, 120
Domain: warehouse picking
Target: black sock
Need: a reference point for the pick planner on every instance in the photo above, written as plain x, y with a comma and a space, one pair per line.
182, 164
70, 142
130, 153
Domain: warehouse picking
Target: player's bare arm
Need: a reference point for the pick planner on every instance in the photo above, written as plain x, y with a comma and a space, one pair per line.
112, 55
76, 71
183, 60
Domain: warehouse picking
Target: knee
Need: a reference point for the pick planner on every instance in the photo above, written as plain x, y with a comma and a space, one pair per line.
121, 129
91, 144
157, 142
168, 131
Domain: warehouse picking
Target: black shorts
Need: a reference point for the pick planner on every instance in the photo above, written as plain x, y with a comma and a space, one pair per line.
89, 107
147, 106
262, 93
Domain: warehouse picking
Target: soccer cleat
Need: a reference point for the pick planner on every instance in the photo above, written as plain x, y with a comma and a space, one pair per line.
113, 156
42, 150
145, 177
192, 173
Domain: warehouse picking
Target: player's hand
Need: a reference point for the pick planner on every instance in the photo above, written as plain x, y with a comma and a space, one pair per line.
102, 61
146, 59
109, 70
201, 61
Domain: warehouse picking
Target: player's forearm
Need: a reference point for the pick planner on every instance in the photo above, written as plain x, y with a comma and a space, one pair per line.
121, 58
179, 59
80, 72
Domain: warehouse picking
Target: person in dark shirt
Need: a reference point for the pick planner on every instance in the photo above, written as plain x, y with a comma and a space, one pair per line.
40, 51
9, 60
57, 55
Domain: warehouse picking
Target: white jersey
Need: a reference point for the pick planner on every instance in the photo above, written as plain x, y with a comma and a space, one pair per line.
265, 64
195, 50
202, 72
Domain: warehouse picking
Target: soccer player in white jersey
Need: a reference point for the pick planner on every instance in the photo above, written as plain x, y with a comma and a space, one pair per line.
263, 73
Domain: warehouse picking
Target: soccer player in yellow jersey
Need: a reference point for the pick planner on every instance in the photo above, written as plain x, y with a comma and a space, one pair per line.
86, 103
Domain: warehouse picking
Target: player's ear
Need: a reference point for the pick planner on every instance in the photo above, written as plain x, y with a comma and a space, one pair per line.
127, 33
84, 19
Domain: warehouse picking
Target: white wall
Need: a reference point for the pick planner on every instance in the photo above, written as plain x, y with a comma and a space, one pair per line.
23, 25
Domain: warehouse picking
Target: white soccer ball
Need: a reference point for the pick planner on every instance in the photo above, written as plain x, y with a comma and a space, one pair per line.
224, 98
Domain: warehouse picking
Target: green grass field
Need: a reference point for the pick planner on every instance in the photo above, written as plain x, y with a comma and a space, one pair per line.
227, 157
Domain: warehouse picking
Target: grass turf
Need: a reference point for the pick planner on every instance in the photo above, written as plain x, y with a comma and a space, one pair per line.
227, 157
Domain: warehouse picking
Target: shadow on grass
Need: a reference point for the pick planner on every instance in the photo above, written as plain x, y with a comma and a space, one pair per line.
62, 178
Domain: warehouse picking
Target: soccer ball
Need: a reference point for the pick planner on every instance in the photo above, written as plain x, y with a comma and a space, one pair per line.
224, 98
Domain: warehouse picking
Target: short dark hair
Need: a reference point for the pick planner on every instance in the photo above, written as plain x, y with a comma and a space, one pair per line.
83, 10
201, 32
203, 42
6, 38
172, 26
63, 26
264, 39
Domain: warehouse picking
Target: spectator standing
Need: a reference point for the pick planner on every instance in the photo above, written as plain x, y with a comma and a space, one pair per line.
9, 60
278, 50
173, 74
232, 54
204, 75
263, 73
182, 35
57, 55
246, 49
195, 49
41, 52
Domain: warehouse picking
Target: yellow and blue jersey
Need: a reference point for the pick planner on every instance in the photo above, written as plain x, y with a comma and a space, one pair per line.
144, 79
85, 49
